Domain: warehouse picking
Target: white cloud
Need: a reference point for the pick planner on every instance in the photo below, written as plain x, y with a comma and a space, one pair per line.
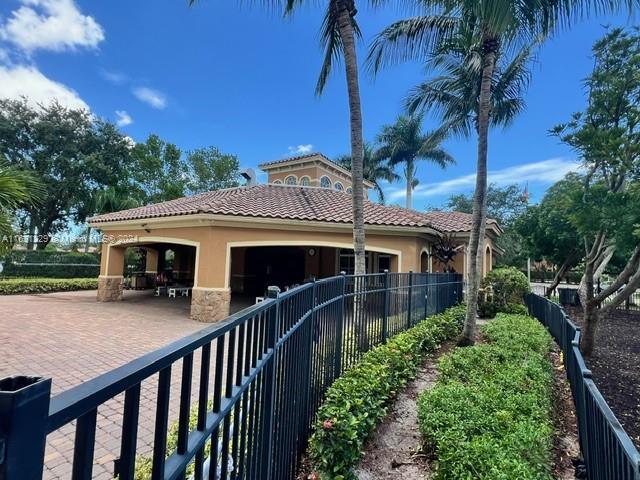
544, 172
28, 81
116, 78
152, 97
123, 118
51, 25
301, 149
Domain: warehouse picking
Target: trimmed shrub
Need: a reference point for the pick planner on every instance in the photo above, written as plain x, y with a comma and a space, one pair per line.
515, 309
358, 401
489, 416
508, 284
16, 286
50, 264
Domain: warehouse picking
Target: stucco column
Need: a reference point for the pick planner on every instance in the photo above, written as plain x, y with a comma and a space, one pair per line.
211, 295
111, 269
152, 262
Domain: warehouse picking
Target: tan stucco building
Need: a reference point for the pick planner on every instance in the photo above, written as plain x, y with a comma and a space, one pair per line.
236, 242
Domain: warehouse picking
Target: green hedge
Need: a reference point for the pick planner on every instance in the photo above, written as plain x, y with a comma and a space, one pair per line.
42, 263
358, 400
17, 286
489, 416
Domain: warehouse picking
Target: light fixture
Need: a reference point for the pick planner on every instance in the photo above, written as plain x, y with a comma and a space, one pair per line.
312, 252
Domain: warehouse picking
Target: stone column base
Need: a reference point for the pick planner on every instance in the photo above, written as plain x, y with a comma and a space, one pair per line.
210, 305
110, 289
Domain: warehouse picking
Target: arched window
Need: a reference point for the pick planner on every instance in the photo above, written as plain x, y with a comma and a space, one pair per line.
325, 182
305, 181
291, 180
349, 190
277, 182
338, 186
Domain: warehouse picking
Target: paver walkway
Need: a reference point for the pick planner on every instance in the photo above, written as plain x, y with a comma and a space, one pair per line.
72, 338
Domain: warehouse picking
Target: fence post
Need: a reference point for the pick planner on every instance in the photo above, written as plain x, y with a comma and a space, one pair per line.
410, 300
270, 384
385, 306
24, 409
340, 326
427, 279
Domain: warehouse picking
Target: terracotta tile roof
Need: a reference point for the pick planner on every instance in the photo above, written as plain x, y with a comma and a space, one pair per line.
453, 221
274, 201
297, 157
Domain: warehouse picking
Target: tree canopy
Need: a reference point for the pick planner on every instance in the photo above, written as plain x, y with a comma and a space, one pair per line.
79, 161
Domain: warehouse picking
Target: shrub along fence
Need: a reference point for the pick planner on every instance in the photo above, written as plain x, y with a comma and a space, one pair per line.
265, 371
42, 263
607, 450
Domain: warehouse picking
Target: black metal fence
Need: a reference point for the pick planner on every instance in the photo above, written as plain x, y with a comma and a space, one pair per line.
631, 303
262, 376
607, 450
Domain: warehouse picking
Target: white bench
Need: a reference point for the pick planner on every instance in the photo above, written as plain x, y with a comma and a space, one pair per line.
183, 291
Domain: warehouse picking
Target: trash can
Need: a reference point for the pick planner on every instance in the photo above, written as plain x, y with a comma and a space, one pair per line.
568, 296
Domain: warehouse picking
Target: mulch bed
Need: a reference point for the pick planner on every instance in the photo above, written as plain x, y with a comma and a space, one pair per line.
616, 365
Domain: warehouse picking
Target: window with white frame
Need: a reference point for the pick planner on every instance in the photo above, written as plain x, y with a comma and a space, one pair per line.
347, 262
325, 182
291, 180
349, 190
277, 182
305, 181
338, 186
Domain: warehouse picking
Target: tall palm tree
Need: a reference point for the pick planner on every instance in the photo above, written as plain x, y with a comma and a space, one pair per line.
403, 143
375, 169
17, 188
338, 38
494, 26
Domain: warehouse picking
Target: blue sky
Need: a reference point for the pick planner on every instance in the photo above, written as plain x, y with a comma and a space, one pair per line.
242, 78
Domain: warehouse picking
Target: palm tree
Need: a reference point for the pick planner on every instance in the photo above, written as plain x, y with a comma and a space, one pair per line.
493, 26
403, 143
337, 37
375, 170
17, 188
107, 201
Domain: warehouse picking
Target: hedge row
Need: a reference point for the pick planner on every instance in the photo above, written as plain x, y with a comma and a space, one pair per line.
45, 285
358, 400
489, 414
42, 263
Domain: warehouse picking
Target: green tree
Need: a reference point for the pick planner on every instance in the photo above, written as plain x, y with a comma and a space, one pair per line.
156, 172
210, 169
490, 28
506, 205
606, 136
338, 34
403, 143
548, 231
376, 170
70, 152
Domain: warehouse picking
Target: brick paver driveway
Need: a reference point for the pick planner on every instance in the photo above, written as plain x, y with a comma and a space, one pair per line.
72, 338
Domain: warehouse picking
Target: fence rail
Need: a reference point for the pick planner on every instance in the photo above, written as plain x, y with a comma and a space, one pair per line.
631, 303
262, 376
607, 450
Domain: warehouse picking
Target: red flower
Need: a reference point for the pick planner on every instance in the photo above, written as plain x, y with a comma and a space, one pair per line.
327, 425
314, 476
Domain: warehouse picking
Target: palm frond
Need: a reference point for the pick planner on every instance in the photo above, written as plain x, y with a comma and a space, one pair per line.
410, 39
331, 42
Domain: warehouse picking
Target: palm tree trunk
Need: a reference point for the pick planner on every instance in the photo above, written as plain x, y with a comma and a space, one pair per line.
88, 240
409, 175
478, 219
345, 26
